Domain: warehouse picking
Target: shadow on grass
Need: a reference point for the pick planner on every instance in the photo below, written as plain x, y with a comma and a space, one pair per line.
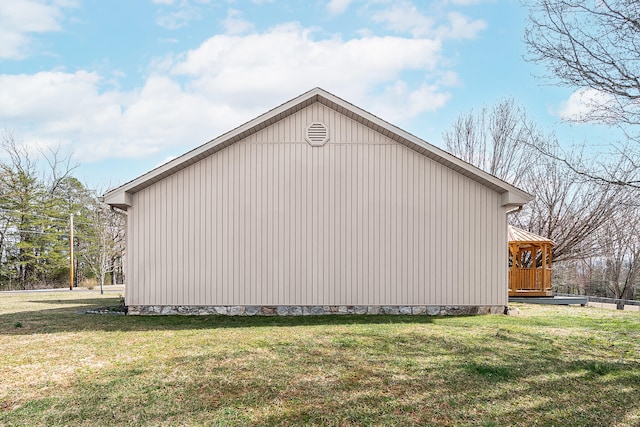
579, 392
94, 302
72, 319
497, 374
288, 386
532, 391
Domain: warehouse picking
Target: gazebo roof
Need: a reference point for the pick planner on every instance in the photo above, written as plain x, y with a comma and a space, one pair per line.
519, 235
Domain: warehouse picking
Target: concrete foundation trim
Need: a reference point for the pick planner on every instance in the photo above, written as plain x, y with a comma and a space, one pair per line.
312, 310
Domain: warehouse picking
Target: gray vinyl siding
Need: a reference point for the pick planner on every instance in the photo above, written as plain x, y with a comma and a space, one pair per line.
362, 220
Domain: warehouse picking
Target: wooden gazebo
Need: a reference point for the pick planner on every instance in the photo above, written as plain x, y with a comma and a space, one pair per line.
529, 264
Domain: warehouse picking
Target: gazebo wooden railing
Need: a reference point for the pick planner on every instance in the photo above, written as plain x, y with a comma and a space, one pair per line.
530, 280
529, 264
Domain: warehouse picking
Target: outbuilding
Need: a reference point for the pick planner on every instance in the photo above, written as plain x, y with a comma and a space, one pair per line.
529, 264
316, 206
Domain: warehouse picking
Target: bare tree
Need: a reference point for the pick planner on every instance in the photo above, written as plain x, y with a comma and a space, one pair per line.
574, 277
60, 167
591, 44
568, 208
104, 246
618, 166
620, 254
496, 139
594, 47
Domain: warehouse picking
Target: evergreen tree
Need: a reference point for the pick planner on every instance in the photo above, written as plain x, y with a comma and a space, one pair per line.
35, 206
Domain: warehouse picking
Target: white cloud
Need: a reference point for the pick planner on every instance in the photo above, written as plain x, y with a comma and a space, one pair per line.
449, 78
21, 19
175, 14
399, 100
405, 17
179, 2
45, 95
338, 7
227, 80
581, 104
469, 2
235, 23
177, 19
287, 59
460, 27
71, 110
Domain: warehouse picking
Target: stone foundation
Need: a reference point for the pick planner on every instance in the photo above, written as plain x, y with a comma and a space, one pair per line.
314, 310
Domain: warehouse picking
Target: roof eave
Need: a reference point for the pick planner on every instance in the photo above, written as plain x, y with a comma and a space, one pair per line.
515, 198
118, 198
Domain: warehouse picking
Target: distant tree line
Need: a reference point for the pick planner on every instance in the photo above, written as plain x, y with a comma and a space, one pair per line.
38, 195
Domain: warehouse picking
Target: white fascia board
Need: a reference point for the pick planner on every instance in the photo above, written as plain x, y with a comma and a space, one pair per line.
119, 198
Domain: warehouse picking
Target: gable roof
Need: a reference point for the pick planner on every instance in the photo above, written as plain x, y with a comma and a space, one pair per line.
511, 196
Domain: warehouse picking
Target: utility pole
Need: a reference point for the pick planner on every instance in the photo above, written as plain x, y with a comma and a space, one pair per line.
71, 252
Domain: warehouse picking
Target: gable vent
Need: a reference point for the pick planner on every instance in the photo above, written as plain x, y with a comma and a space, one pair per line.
317, 134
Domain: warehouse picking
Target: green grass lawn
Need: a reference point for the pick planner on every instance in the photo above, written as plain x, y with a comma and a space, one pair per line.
556, 366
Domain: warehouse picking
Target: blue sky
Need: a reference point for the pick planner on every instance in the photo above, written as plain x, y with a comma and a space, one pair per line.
125, 85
